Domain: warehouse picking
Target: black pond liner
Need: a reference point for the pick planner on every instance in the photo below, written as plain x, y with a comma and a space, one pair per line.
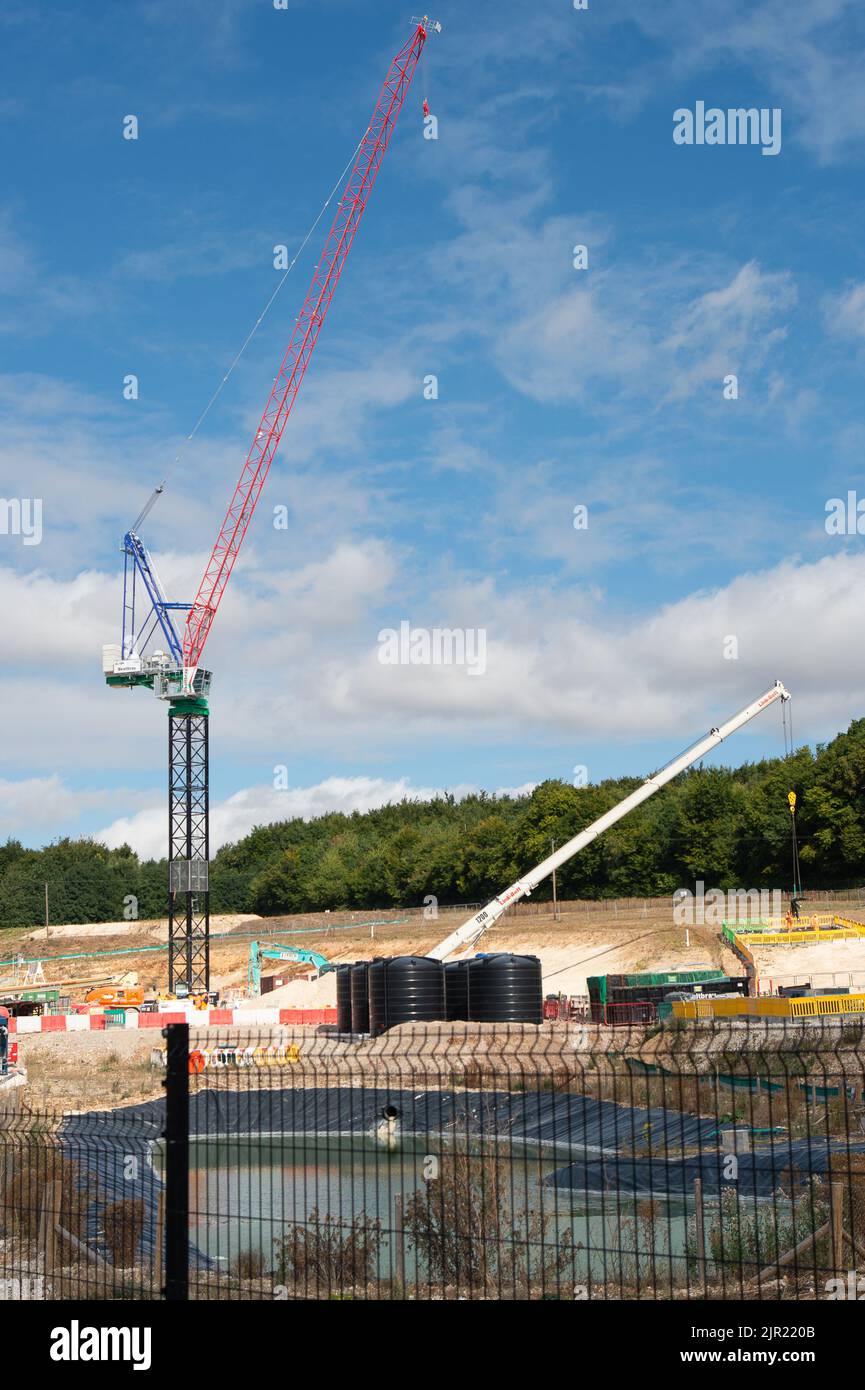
538, 1117
604, 1133
759, 1174
114, 1150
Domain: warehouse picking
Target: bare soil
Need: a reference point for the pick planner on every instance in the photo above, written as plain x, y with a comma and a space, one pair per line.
89, 1069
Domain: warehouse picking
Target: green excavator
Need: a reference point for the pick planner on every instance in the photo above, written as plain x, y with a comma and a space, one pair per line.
295, 954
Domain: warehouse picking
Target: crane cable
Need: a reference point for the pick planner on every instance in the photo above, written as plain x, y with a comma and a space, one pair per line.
431, 26
787, 723
157, 492
797, 873
252, 332
787, 727
424, 82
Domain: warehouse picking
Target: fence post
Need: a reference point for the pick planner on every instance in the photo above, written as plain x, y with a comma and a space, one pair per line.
51, 1199
837, 1208
700, 1230
159, 1243
399, 1240
177, 1163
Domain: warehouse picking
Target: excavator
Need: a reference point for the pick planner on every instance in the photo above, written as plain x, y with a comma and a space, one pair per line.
295, 954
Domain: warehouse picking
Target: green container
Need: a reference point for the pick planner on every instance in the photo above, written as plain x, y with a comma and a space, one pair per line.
597, 987
731, 929
597, 984
115, 1018
675, 977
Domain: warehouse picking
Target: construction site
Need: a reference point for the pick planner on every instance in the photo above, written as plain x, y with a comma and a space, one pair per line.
595, 999
102, 989
534, 1096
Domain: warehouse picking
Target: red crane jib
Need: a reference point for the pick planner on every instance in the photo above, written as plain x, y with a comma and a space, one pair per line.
296, 360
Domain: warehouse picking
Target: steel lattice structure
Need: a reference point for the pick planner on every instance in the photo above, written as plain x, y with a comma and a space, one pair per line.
188, 848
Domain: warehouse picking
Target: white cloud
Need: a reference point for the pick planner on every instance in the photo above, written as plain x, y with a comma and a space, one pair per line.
34, 292
725, 329
48, 621
230, 820
808, 57
562, 666
644, 339
43, 804
658, 327
296, 665
845, 313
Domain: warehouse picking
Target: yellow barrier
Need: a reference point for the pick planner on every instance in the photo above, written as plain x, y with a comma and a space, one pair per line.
847, 930
785, 924
769, 1007
795, 938
828, 1004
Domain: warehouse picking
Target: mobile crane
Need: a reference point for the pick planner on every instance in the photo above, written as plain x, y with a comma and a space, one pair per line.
474, 928
173, 669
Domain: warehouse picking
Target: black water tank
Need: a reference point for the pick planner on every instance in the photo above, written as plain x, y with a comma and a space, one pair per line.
505, 989
360, 997
377, 1005
405, 989
343, 998
457, 990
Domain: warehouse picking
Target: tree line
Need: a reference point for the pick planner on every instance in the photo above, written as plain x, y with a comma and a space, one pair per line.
729, 827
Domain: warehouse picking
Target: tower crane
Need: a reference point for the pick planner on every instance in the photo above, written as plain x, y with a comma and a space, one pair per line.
173, 669
474, 928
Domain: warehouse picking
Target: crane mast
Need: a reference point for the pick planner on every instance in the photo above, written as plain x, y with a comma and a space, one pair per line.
471, 930
176, 674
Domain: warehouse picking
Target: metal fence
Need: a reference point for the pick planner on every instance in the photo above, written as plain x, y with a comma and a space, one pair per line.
82, 1209
453, 1162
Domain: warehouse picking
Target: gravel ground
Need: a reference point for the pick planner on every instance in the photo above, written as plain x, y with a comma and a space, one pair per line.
817, 963
89, 1070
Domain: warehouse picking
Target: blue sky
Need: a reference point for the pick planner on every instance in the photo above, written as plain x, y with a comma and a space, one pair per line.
558, 387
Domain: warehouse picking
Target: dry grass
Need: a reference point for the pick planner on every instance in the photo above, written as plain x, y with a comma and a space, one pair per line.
122, 1227
70, 1074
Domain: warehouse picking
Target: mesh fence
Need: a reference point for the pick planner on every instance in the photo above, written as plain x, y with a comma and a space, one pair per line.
82, 1208
456, 1162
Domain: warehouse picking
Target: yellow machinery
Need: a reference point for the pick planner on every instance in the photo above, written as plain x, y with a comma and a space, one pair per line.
200, 1000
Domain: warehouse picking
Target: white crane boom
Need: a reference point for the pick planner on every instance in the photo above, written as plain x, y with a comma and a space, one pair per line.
475, 926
